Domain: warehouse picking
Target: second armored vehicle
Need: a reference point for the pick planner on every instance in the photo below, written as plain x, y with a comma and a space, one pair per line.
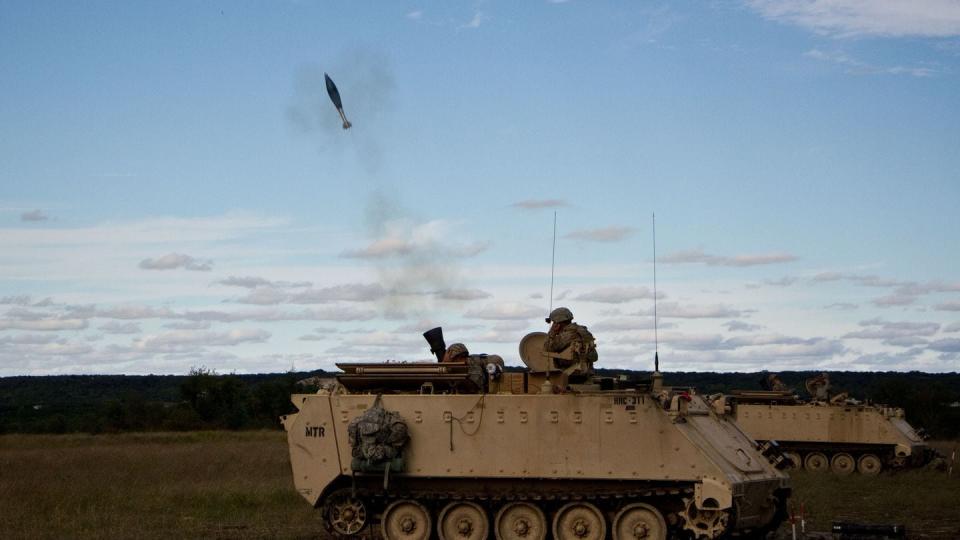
827, 432
469, 452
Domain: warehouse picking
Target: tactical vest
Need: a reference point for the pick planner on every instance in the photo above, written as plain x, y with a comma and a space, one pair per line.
588, 348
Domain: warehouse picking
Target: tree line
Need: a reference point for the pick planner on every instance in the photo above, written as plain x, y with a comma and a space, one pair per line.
204, 399
95, 404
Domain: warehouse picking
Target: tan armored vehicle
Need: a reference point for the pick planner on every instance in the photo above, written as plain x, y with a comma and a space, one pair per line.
827, 432
467, 451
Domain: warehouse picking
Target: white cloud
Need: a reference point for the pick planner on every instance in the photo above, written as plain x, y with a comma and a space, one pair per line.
172, 261
674, 310
34, 215
386, 339
383, 247
506, 310
179, 340
352, 292
858, 67
188, 325
462, 294
952, 327
623, 324
18, 300
30, 339
150, 231
844, 306
403, 238
326, 313
494, 336
828, 276
948, 306
605, 234
478, 19
894, 300
263, 296
24, 314
128, 312
52, 349
895, 333
415, 15
248, 282
539, 204
617, 295
698, 256
949, 345
782, 282
114, 327
43, 325
741, 326
511, 326
252, 282
929, 18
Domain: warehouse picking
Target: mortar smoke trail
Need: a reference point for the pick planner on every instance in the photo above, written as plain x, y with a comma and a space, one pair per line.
335, 98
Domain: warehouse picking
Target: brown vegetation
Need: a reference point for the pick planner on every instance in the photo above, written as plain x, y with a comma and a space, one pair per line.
238, 485
926, 501
157, 485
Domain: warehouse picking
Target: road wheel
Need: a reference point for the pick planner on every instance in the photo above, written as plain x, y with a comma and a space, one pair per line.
793, 459
843, 463
520, 521
816, 462
463, 521
406, 520
639, 521
579, 521
869, 464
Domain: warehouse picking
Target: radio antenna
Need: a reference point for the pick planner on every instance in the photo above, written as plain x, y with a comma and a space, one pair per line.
546, 387
553, 258
656, 339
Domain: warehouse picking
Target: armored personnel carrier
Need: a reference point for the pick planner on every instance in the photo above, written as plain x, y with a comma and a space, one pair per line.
468, 451
827, 432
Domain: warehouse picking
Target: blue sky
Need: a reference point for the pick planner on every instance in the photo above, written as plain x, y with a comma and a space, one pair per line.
176, 189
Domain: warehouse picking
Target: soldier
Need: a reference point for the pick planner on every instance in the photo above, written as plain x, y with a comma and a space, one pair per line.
456, 352
566, 333
773, 382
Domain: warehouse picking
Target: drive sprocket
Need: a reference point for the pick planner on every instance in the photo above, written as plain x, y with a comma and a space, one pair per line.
707, 524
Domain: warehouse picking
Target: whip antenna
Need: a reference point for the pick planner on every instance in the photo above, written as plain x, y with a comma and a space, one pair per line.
656, 340
553, 257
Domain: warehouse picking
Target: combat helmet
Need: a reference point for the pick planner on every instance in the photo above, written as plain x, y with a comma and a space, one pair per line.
455, 350
561, 314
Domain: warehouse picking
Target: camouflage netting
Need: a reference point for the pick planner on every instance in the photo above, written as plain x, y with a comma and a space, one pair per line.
377, 435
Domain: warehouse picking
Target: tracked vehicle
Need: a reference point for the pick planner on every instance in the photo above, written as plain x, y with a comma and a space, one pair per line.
827, 433
467, 451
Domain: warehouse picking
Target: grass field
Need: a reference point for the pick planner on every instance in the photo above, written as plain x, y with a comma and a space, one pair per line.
164, 485
238, 485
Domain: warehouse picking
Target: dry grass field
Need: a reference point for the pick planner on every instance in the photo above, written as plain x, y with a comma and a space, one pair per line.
238, 485
152, 485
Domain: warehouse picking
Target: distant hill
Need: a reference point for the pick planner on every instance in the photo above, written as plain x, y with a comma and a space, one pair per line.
205, 400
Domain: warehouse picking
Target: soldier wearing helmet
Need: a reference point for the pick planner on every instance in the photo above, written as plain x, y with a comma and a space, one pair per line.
456, 352
565, 333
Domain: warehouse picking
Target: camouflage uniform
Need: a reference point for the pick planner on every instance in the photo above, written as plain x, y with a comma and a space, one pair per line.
584, 346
